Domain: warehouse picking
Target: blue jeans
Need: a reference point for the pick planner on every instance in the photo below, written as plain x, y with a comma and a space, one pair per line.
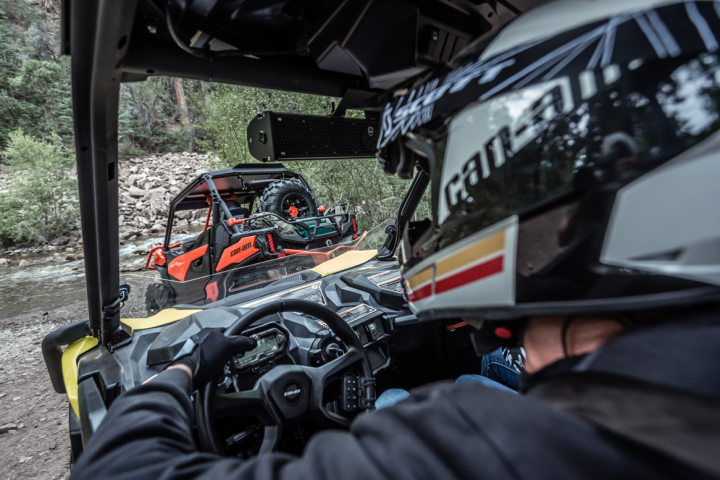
496, 367
492, 374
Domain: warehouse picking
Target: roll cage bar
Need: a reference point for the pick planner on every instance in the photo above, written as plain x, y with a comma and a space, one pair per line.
214, 196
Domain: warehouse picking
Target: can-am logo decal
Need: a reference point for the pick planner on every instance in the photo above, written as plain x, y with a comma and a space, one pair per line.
486, 135
241, 248
652, 36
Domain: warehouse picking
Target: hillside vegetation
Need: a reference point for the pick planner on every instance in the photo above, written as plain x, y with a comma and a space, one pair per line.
158, 116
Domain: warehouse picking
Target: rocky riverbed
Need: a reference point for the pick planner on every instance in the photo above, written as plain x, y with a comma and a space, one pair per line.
146, 186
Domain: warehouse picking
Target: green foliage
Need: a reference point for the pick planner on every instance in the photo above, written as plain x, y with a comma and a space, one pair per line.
35, 98
34, 81
373, 196
146, 109
41, 202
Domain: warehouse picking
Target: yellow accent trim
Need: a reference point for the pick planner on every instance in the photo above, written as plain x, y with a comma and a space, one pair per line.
70, 370
164, 317
483, 248
420, 278
345, 261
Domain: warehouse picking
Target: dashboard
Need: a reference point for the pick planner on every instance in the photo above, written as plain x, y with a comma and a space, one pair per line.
369, 298
402, 352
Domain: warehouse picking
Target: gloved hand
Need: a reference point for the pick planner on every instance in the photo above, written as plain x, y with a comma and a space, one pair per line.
207, 352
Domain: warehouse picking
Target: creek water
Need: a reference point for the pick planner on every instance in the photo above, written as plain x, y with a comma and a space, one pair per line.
45, 284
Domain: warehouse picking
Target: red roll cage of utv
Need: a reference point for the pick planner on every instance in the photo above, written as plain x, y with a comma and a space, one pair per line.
232, 238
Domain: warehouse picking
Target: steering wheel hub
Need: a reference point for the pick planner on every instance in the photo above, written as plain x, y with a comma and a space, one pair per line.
293, 392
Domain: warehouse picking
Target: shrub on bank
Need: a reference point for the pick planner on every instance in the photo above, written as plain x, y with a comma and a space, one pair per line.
41, 202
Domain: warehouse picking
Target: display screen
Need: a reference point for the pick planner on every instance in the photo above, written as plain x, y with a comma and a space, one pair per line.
265, 344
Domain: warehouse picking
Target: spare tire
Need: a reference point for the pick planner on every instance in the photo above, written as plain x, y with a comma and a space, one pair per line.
290, 200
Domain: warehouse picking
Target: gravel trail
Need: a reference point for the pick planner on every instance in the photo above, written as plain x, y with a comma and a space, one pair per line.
34, 436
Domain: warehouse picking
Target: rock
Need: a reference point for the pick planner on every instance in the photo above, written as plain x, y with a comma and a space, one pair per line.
157, 206
23, 262
4, 261
25, 459
121, 219
69, 250
52, 446
156, 193
7, 427
157, 181
156, 228
133, 169
182, 223
183, 214
136, 192
15, 399
62, 240
70, 258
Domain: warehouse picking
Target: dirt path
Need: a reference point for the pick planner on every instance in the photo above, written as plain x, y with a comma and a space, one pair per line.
40, 446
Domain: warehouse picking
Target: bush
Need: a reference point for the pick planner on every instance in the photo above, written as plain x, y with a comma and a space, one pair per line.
41, 201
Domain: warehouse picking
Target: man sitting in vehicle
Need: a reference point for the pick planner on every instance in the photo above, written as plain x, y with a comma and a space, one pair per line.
602, 263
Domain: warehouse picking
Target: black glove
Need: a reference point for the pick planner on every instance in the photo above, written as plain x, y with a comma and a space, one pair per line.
207, 352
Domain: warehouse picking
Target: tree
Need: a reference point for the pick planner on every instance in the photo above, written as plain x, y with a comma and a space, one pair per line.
41, 203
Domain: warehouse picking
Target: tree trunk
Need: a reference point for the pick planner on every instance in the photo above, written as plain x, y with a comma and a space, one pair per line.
180, 94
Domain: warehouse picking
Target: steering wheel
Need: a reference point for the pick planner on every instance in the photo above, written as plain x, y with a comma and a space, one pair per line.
275, 400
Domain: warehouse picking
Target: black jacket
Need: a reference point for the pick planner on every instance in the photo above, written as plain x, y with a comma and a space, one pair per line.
459, 431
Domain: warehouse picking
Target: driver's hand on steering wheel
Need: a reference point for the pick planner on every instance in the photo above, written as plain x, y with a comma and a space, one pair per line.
205, 354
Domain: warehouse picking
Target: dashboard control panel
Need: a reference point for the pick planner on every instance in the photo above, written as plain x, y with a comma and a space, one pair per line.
271, 342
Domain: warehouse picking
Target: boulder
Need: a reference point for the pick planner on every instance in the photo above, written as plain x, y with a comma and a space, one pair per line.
158, 207
62, 240
156, 193
183, 214
136, 192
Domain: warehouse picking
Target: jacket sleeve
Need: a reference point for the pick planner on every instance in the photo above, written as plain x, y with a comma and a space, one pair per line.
147, 433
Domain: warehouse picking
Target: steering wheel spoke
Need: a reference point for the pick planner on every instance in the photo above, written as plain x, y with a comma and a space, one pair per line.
246, 402
271, 439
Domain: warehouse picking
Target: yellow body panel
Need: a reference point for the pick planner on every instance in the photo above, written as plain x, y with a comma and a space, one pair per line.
70, 370
345, 261
169, 315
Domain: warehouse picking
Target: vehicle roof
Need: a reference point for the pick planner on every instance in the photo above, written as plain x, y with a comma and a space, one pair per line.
245, 180
351, 49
